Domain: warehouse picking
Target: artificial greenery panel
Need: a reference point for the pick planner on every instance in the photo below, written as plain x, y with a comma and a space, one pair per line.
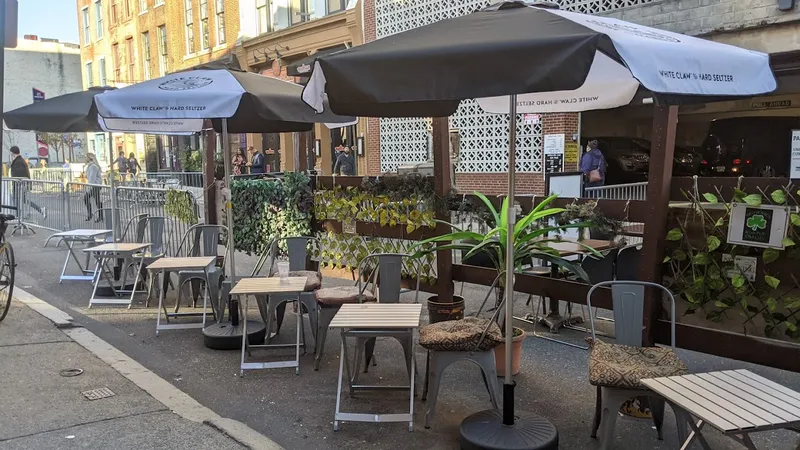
266, 209
701, 267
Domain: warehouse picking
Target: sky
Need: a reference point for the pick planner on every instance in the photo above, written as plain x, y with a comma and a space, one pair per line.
56, 19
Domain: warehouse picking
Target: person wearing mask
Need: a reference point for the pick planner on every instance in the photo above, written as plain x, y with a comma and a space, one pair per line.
94, 176
256, 161
239, 162
345, 162
133, 165
20, 169
593, 166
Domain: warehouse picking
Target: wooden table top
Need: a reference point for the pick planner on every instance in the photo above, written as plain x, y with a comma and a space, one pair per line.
82, 233
378, 315
571, 247
269, 285
732, 400
121, 247
195, 262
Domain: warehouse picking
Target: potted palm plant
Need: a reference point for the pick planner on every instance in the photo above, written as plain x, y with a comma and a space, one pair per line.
531, 242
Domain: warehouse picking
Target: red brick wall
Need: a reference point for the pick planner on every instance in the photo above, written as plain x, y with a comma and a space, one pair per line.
562, 123
497, 183
373, 138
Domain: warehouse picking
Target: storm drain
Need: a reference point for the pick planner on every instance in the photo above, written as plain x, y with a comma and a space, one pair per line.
97, 394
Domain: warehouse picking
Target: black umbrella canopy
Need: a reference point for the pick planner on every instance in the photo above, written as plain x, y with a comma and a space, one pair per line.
250, 102
515, 48
68, 113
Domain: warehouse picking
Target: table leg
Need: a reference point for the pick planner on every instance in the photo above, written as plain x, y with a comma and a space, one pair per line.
748, 442
243, 319
96, 281
66, 262
413, 382
136, 281
161, 305
299, 315
347, 361
342, 357
206, 295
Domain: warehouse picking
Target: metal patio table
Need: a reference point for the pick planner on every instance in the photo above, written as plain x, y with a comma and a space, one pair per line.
266, 286
368, 320
110, 252
167, 264
71, 238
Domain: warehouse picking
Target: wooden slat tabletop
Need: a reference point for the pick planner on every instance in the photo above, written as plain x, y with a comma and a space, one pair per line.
82, 233
117, 247
269, 285
378, 315
571, 248
187, 263
732, 400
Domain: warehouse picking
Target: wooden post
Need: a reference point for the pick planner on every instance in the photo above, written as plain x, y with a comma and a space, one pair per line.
302, 148
209, 186
442, 185
665, 122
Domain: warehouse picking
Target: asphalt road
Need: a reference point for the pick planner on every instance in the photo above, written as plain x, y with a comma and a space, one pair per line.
297, 411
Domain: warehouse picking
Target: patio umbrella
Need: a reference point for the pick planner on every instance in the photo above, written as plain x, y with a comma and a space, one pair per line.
68, 113
235, 101
250, 103
516, 49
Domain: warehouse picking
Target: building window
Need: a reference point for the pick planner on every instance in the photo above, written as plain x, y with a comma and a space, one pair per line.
162, 50
300, 11
115, 63
114, 17
87, 37
158, 3
98, 14
89, 75
130, 53
189, 20
204, 24
142, 6
128, 8
146, 54
103, 79
220, 10
262, 12
335, 6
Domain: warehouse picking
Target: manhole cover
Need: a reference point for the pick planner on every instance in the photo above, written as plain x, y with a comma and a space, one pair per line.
70, 372
97, 394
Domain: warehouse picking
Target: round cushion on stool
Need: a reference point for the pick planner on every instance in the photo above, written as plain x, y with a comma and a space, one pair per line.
485, 430
460, 335
313, 279
335, 296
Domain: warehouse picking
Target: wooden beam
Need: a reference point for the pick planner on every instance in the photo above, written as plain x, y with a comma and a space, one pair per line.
442, 184
665, 122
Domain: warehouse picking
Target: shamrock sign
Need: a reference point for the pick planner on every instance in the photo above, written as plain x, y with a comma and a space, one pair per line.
756, 222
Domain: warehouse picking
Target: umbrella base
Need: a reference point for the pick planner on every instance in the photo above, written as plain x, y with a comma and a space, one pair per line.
224, 336
485, 430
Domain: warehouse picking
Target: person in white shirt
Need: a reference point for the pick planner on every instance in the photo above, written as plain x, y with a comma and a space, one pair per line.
94, 176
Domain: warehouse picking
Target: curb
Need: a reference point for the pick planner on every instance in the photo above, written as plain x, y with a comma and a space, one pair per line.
173, 398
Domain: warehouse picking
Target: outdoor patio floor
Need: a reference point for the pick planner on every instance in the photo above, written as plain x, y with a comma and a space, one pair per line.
297, 411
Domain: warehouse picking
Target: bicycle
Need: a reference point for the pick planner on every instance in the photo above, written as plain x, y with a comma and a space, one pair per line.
6, 267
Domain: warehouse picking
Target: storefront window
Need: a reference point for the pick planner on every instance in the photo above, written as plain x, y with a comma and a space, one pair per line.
335, 6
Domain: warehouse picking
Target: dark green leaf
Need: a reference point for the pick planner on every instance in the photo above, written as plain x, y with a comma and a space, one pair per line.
770, 255
720, 304
771, 303
679, 255
713, 243
674, 234
772, 281
795, 219
778, 196
711, 198
737, 281
700, 259
787, 242
753, 199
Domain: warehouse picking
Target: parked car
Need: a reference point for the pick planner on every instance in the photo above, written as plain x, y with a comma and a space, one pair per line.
748, 146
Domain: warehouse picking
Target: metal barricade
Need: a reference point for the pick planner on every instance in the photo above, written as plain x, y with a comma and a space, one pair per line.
54, 174
630, 191
135, 201
83, 203
174, 180
41, 203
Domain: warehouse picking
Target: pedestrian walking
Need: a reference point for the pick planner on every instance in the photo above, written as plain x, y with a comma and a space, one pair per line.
345, 162
94, 177
239, 162
593, 166
122, 165
20, 169
133, 166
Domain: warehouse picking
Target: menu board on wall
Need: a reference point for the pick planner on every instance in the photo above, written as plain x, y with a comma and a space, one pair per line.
795, 158
553, 153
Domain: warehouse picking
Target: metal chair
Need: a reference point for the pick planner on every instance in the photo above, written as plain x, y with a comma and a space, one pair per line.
614, 390
132, 226
273, 307
151, 229
203, 240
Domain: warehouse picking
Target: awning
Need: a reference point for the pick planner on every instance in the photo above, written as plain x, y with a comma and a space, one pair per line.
303, 67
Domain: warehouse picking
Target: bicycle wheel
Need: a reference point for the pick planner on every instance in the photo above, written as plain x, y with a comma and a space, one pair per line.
6, 279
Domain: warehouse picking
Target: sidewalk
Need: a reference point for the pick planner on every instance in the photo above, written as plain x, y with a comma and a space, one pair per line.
45, 410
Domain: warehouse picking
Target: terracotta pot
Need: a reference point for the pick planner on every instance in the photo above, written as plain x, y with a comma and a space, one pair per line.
516, 355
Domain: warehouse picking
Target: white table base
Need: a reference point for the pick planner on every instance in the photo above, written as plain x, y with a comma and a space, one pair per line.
168, 315
273, 364
102, 271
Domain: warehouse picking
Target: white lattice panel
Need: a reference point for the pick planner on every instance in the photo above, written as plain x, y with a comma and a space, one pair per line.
484, 137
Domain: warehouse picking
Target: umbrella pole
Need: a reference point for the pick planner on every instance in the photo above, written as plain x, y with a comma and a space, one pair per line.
228, 208
508, 382
111, 183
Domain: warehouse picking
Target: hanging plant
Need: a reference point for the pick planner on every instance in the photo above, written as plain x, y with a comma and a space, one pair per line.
180, 205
